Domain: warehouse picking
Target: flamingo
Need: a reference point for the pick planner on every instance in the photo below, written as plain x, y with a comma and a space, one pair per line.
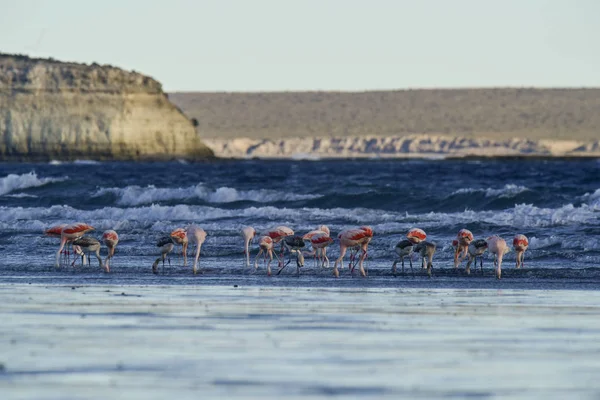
110, 239
166, 246
320, 250
520, 244
55, 231
70, 233
352, 238
265, 245
198, 236
277, 234
179, 236
248, 234
90, 244
463, 239
476, 248
426, 251
294, 244
319, 243
497, 246
325, 229
404, 248
416, 235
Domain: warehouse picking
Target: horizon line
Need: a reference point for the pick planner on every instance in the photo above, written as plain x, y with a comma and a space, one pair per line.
385, 90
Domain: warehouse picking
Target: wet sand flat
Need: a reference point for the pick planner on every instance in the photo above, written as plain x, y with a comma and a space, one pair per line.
97, 341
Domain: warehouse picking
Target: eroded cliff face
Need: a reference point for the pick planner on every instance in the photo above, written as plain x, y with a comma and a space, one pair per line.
55, 110
434, 146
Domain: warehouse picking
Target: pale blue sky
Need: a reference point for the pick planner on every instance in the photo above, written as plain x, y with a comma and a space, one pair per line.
275, 45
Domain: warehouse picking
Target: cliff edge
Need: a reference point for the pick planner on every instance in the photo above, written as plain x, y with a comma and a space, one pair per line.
64, 111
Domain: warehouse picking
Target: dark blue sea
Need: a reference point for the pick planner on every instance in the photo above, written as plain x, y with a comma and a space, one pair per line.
555, 203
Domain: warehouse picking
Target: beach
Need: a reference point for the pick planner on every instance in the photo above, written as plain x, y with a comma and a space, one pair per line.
93, 341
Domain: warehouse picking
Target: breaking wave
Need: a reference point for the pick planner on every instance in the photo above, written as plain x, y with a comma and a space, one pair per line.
509, 190
592, 199
520, 217
18, 182
137, 195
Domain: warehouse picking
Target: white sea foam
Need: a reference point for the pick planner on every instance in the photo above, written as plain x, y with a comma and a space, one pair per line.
384, 222
21, 195
509, 190
542, 243
137, 195
592, 199
17, 182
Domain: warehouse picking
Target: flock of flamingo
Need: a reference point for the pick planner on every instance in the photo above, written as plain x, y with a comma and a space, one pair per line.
356, 240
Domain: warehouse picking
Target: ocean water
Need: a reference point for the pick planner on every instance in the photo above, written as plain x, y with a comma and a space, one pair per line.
77, 333
555, 203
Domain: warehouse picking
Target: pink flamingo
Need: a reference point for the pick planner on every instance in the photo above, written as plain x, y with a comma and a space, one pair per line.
265, 245
497, 246
463, 240
248, 234
69, 233
277, 234
323, 232
520, 244
325, 229
179, 236
353, 238
55, 231
198, 236
321, 241
416, 235
110, 239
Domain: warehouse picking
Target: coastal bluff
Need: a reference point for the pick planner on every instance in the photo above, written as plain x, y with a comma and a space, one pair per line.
52, 110
438, 123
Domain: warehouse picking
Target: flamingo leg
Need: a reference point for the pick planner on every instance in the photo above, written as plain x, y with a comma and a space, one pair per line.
63, 240
247, 252
260, 251
185, 245
480, 264
197, 259
339, 260
270, 251
394, 267
326, 260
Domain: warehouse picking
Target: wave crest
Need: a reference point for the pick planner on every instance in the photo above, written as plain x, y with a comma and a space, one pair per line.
509, 190
137, 195
17, 182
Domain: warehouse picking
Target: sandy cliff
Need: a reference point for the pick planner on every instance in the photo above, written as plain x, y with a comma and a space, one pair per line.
56, 110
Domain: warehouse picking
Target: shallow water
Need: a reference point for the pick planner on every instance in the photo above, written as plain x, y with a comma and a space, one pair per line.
186, 341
